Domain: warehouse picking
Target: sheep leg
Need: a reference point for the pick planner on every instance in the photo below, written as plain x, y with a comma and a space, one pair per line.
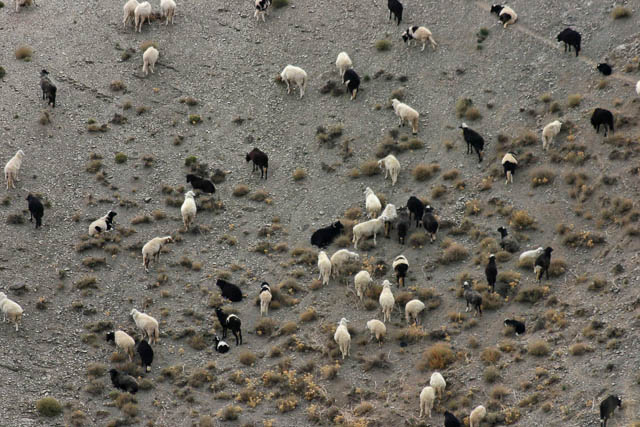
424, 44
288, 87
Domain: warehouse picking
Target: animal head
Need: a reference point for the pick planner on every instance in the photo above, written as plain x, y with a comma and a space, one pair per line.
548, 250
111, 214
368, 190
496, 8
111, 336
406, 36
2, 296
29, 197
466, 285
265, 287
167, 239
43, 73
338, 225
492, 256
20, 154
190, 177
134, 312
386, 284
190, 194
503, 231
216, 339
343, 322
248, 157
219, 311
428, 208
113, 373
618, 401
395, 103
463, 126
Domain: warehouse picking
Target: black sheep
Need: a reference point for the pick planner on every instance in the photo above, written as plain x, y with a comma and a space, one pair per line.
323, 237
123, 381
416, 208
607, 407
395, 8
508, 243
146, 354
570, 38
602, 117
517, 325
605, 69
404, 222
229, 290
260, 160
230, 322
430, 223
473, 298
543, 262
352, 80
36, 209
491, 271
201, 184
451, 420
221, 346
48, 88
473, 139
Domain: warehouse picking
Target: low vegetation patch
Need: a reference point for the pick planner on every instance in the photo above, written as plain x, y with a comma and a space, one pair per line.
24, 53
438, 356
620, 12
422, 172
383, 45
48, 407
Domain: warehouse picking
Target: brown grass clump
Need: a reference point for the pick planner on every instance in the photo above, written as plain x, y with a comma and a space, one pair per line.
491, 374
229, 413
240, 190
411, 334
542, 176
454, 252
288, 328
265, 326
299, 174
521, 220
287, 404
258, 195
574, 100
147, 44
48, 407
308, 315
538, 348
490, 355
24, 53
117, 85
472, 114
451, 175
462, 105
383, 45
620, 12
422, 172
530, 295
369, 168
417, 239
438, 356
247, 357
597, 284
558, 267
583, 239
579, 348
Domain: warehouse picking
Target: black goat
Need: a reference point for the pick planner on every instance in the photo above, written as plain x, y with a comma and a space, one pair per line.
260, 160
607, 407
430, 223
416, 208
48, 88
451, 420
404, 223
508, 243
221, 346
36, 209
352, 80
201, 184
229, 290
323, 237
491, 271
602, 117
570, 38
543, 262
146, 354
473, 139
123, 381
395, 8
605, 69
232, 322
473, 298
517, 325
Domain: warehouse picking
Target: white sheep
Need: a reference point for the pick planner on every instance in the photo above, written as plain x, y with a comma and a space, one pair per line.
104, 223
12, 168
386, 300
11, 311
377, 329
152, 250
638, 88
390, 215
421, 34
368, 228
512, 13
427, 397
265, 299
168, 9
362, 282
477, 415
406, 114
438, 383
530, 256
324, 265
549, 132
296, 75
129, 12
343, 63
391, 167
124, 342
342, 337
149, 58
412, 309
188, 209
147, 324
340, 259
142, 12
372, 203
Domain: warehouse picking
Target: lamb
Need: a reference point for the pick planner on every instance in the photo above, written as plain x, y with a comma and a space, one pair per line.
400, 266
506, 15
324, 266
509, 164
265, 298
430, 223
427, 396
262, 8
386, 301
11, 310
149, 58
542, 264
477, 415
473, 298
451, 420
232, 322
142, 12
188, 209
549, 132
340, 259
406, 114
201, 184
296, 75
48, 88
603, 117
438, 383
342, 337
260, 160
361, 281
123, 381
395, 8
168, 9
607, 407
221, 346
36, 209
421, 34
391, 167
390, 216
229, 291
404, 222
343, 63
372, 203
473, 139
604, 68
377, 329
12, 168
101, 224
508, 243
152, 250
147, 324
412, 310
530, 256
352, 80
323, 237
416, 208
123, 341
517, 325
570, 38
146, 355
129, 12
491, 271
366, 229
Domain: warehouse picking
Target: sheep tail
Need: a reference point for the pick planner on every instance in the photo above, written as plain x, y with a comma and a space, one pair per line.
156, 335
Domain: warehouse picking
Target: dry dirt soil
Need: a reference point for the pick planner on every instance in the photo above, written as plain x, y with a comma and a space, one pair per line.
585, 207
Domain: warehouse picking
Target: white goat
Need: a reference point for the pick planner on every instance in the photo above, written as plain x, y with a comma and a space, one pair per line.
406, 114
142, 12
438, 383
11, 311
412, 309
391, 167
477, 415
386, 301
152, 250
340, 259
377, 329
324, 265
147, 324
188, 209
149, 58
372, 203
421, 34
427, 397
297, 75
527, 257
129, 12
362, 282
342, 337
12, 168
168, 9
343, 63
549, 132
124, 342
366, 229
390, 215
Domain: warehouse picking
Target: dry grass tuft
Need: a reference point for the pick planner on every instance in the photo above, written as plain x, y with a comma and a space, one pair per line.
574, 100
422, 172
240, 190
369, 168
299, 174
579, 348
247, 357
229, 413
24, 53
438, 356
521, 220
538, 348
620, 12
453, 252
383, 45
542, 176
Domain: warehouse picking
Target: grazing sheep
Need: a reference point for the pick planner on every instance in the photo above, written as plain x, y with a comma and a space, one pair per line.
400, 266
147, 324
404, 223
451, 420
542, 264
48, 88
129, 12
508, 243
391, 167
607, 407
201, 184
324, 267
188, 209
390, 216
506, 15
101, 224
343, 63
152, 250
406, 114
297, 75
123, 341
421, 34
549, 132
509, 164
412, 310
377, 329
168, 9
36, 209
476, 416
265, 298
323, 237
11, 310
416, 208
430, 223
438, 383
372, 203
491, 271
340, 259
427, 397
530, 256
638, 88
229, 291
342, 337
395, 8
386, 301
570, 38
146, 355
260, 160
473, 298
603, 117
352, 80
232, 322
142, 12
367, 229
262, 8
361, 281
473, 139
604, 68
221, 346
149, 58
517, 325
123, 381
12, 168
